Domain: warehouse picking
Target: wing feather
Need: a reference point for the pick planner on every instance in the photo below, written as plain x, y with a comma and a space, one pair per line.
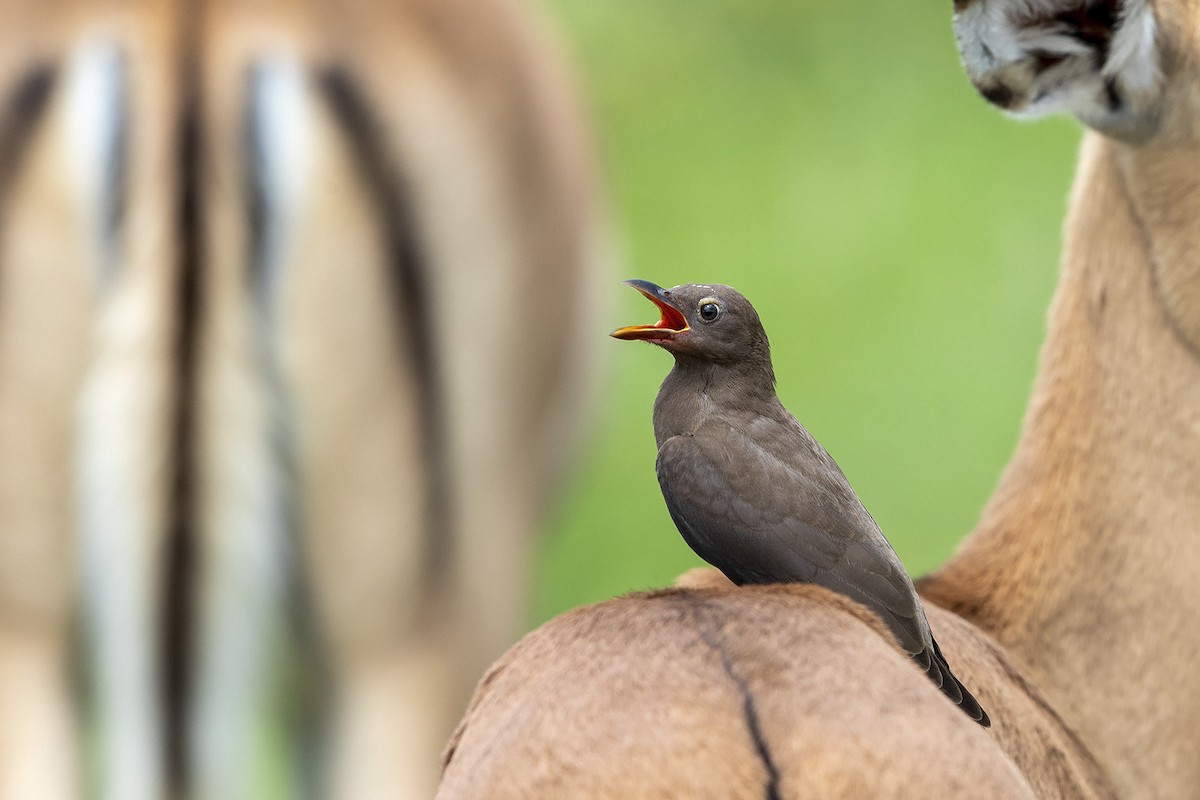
765, 516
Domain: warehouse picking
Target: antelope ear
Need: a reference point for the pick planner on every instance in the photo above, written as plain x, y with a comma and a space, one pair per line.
1096, 59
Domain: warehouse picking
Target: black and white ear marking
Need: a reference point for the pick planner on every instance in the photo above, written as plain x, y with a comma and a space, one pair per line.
1096, 59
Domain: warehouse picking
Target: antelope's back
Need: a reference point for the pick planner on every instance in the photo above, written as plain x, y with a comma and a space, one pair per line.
766, 691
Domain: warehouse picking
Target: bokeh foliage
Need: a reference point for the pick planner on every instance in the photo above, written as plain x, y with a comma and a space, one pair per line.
898, 236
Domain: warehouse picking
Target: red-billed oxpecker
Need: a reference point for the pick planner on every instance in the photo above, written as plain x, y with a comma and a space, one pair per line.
752, 492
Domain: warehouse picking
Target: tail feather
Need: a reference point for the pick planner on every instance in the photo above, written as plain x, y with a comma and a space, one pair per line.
939, 672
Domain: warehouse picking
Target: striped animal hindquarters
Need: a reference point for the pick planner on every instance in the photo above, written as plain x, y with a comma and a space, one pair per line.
294, 311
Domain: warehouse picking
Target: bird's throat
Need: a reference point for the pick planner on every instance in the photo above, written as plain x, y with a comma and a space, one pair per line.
694, 391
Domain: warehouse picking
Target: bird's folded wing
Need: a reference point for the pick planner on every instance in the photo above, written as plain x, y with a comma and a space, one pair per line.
761, 517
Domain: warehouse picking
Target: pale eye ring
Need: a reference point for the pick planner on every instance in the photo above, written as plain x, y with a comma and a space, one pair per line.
709, 309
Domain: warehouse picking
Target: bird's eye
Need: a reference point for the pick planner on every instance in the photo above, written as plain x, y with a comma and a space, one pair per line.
709, 310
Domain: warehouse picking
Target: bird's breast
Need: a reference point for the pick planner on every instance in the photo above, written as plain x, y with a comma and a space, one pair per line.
680, 414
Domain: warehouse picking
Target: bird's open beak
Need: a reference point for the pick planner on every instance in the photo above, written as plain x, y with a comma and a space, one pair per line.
672, 324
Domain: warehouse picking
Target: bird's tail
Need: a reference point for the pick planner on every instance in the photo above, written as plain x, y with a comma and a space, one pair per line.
939, 672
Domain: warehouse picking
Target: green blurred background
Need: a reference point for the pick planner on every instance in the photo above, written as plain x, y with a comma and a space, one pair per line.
898, 236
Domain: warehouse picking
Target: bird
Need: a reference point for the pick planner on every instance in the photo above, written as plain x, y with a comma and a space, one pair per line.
750, 489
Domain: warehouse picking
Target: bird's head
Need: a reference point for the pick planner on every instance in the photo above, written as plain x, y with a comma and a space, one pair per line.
706, 322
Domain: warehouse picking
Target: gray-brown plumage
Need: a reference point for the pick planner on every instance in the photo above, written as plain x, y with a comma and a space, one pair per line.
752, 492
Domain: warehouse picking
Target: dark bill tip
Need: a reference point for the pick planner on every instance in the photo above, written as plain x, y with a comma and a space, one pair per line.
646, 287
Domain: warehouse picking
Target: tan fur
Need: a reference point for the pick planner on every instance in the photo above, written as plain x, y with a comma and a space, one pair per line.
67, 358
646, 696
1070, 611
43, 316
308, 463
